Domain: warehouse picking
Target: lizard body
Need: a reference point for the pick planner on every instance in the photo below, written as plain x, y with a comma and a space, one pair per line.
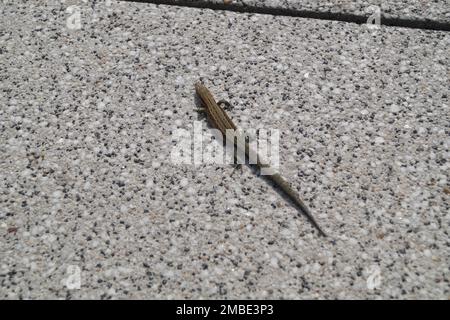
220, 120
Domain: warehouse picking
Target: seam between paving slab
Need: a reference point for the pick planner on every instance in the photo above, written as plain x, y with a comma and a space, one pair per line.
427, 24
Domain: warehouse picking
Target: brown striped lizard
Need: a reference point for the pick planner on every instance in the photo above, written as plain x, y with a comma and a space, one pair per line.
218, 119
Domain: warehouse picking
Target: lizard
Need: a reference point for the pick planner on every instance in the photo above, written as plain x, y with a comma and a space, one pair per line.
218, 118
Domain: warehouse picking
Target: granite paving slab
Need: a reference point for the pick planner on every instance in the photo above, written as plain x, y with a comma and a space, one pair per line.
94, 205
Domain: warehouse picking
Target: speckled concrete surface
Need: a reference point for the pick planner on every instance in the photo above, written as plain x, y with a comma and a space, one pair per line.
438, 10
88, 191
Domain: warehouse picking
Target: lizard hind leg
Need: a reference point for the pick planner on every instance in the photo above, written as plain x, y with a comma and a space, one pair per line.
237, 166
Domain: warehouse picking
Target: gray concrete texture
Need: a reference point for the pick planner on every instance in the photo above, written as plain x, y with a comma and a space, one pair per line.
91, 205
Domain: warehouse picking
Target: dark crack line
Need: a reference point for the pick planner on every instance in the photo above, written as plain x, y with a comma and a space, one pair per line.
426, 24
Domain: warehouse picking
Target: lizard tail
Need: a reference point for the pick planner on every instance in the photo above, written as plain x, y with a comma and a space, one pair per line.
279, 181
